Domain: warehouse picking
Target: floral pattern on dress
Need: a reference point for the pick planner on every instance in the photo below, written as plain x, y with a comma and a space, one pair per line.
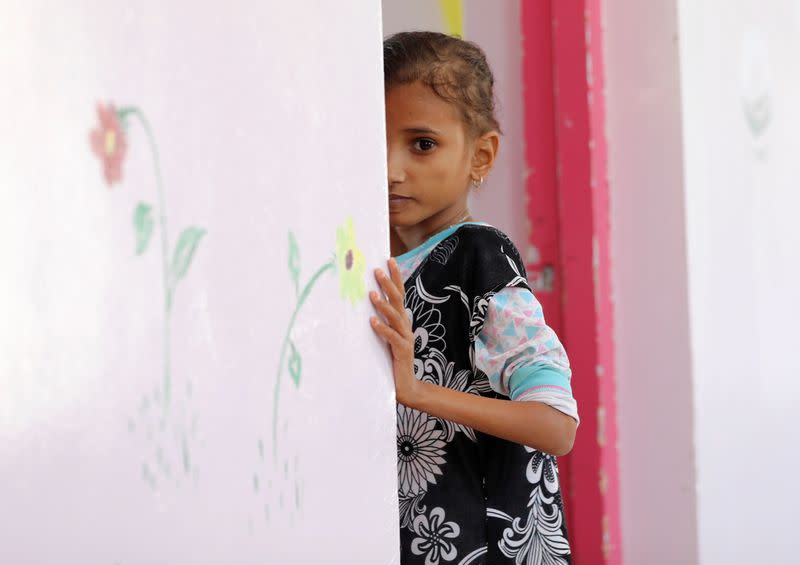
410, 507
434, 537
434, 368
540, 539
429, 331
447, 516
479, 307
441, 254
420, 442
420, 450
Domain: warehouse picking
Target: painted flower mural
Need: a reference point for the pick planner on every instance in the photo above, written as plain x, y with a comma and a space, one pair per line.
108, 142
350, 263
755, 81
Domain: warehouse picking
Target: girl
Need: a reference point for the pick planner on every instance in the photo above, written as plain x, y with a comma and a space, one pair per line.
483, 385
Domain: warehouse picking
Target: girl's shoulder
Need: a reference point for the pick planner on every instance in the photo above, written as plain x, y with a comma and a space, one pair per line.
480, 236
481, 257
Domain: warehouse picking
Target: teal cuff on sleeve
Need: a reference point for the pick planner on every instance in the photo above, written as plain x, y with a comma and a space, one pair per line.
539, 376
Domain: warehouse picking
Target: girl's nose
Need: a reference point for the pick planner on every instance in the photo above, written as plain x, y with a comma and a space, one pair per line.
396, 170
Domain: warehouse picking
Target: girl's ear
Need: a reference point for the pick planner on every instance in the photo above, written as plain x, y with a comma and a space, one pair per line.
484, 155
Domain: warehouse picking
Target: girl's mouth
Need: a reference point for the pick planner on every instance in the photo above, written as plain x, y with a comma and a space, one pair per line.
398, 202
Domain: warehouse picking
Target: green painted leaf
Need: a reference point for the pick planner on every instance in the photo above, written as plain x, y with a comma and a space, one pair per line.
294, 261
295, 365
184, 251
143, 224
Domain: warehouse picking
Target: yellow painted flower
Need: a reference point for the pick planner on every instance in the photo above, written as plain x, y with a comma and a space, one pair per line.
350, 264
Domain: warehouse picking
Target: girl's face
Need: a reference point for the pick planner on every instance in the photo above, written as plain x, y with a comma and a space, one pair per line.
430, 158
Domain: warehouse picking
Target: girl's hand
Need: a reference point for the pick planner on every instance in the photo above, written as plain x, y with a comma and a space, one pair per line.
528, 423
394, 327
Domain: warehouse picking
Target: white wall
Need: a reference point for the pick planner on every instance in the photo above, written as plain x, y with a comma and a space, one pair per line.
740, 87
132, 431
649, 281
496, 29
702, 119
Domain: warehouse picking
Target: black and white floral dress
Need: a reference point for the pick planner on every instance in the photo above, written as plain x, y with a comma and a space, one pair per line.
466, 497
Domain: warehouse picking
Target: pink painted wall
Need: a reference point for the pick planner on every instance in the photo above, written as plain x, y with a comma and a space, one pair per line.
577, 69
649, 281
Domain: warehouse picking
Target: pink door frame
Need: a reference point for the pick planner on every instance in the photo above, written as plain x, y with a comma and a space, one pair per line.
569, 266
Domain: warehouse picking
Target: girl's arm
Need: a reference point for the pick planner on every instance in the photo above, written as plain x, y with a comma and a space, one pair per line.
529, 423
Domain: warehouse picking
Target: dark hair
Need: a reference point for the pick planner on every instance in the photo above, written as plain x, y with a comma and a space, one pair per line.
456, 70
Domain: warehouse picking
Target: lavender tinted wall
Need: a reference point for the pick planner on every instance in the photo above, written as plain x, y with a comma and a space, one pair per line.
138, 372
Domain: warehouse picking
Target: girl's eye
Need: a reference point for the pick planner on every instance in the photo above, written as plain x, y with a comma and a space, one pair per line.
424, 145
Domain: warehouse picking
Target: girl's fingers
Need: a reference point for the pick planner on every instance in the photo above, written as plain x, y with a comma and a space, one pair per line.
397, 278
400, 347
388, 334
390, 289
394, 328
389, 312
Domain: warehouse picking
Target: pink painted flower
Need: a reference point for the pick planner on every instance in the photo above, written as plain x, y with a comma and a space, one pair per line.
108, 142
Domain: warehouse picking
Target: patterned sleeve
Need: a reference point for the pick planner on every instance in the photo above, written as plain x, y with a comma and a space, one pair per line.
510, 341
520, 354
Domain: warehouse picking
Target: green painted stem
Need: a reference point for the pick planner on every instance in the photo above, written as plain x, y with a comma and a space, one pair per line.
300, 301
162, 220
